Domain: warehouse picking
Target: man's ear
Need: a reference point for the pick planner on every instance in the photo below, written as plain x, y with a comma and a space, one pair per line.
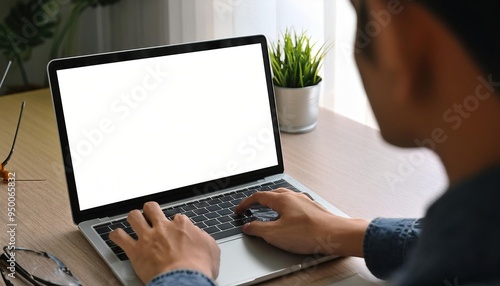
405, 46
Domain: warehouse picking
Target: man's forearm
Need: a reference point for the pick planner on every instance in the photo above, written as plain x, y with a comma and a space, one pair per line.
181, 278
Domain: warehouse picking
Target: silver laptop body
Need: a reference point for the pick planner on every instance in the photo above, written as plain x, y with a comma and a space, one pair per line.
174, 124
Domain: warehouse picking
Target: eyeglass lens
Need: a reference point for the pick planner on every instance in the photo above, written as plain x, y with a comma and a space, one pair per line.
43, 267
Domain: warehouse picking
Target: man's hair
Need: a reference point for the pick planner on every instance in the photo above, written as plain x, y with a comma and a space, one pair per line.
476, 25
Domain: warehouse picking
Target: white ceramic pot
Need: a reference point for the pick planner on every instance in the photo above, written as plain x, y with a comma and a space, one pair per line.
297, 108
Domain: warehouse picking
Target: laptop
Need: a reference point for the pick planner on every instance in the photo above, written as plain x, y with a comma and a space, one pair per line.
191, 126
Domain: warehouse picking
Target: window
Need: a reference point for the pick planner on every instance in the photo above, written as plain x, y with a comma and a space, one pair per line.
156, 22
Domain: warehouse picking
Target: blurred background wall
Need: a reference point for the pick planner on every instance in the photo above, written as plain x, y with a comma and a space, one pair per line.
129, 24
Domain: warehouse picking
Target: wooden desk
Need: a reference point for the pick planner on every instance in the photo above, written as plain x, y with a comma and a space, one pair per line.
344, 161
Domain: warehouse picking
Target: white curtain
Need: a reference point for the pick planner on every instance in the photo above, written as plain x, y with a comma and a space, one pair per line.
132, 24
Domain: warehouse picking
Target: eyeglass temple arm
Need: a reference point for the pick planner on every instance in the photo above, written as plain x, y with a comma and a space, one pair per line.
5, 74
15, 135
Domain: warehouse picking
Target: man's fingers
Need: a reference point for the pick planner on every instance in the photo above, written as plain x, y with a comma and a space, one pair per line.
282, 190
153, 213
138, 222
267, 199
181, 218
259, 228
122, 239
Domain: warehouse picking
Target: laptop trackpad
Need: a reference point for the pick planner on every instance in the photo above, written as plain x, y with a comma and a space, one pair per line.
250, 259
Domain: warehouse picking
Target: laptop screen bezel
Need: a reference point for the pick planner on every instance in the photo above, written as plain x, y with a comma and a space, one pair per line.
167, 196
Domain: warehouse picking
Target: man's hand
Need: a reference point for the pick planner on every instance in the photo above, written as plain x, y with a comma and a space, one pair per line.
304, 227
165, 245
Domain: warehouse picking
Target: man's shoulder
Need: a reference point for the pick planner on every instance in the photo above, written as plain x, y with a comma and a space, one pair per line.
459, 240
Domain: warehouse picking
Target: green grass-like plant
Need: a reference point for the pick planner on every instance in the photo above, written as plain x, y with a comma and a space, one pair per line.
293, 61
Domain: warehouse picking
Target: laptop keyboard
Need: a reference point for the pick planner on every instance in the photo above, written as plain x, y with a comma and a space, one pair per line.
214, 215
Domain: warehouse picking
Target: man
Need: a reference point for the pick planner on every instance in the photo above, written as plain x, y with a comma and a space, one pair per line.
432, 74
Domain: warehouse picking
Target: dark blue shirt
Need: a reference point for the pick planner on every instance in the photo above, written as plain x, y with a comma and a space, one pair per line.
458, 240
181, 277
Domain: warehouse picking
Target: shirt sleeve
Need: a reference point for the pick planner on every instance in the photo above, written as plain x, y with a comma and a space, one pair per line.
181, 278
387, 244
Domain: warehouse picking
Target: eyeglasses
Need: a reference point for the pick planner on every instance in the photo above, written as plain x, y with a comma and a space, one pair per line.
37, 267
4, 173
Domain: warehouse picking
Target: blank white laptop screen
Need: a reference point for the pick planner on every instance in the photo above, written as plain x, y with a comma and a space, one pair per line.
146, 126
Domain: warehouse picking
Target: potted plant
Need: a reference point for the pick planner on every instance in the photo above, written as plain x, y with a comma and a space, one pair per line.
297, 84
